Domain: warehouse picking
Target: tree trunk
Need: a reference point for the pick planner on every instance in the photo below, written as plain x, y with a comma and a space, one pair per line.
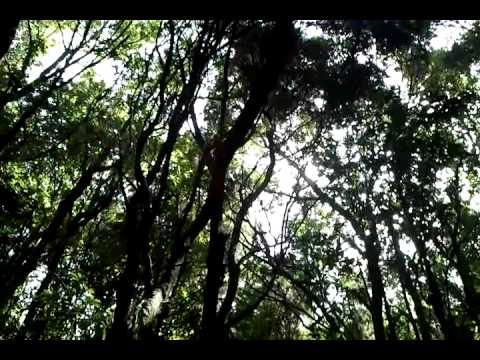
8, 28
407, 283
136, 231
29, 261
435, 296
211, 327
33, 329
143, 208
375, 278
277, 58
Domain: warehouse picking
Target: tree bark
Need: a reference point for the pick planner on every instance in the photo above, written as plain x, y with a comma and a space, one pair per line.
277, 58
233, 266
8, 28
143, 206
28, 261
407, 283
375, 278
435, 296
31, 328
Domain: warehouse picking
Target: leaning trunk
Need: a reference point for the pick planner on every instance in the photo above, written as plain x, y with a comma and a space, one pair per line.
8, 29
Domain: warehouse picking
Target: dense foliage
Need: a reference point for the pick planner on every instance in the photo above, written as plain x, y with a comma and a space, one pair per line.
239, 179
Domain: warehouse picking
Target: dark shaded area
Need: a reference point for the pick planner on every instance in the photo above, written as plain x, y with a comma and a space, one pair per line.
8, 29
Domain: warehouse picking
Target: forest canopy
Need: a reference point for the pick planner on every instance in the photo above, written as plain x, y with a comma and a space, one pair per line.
239, 179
